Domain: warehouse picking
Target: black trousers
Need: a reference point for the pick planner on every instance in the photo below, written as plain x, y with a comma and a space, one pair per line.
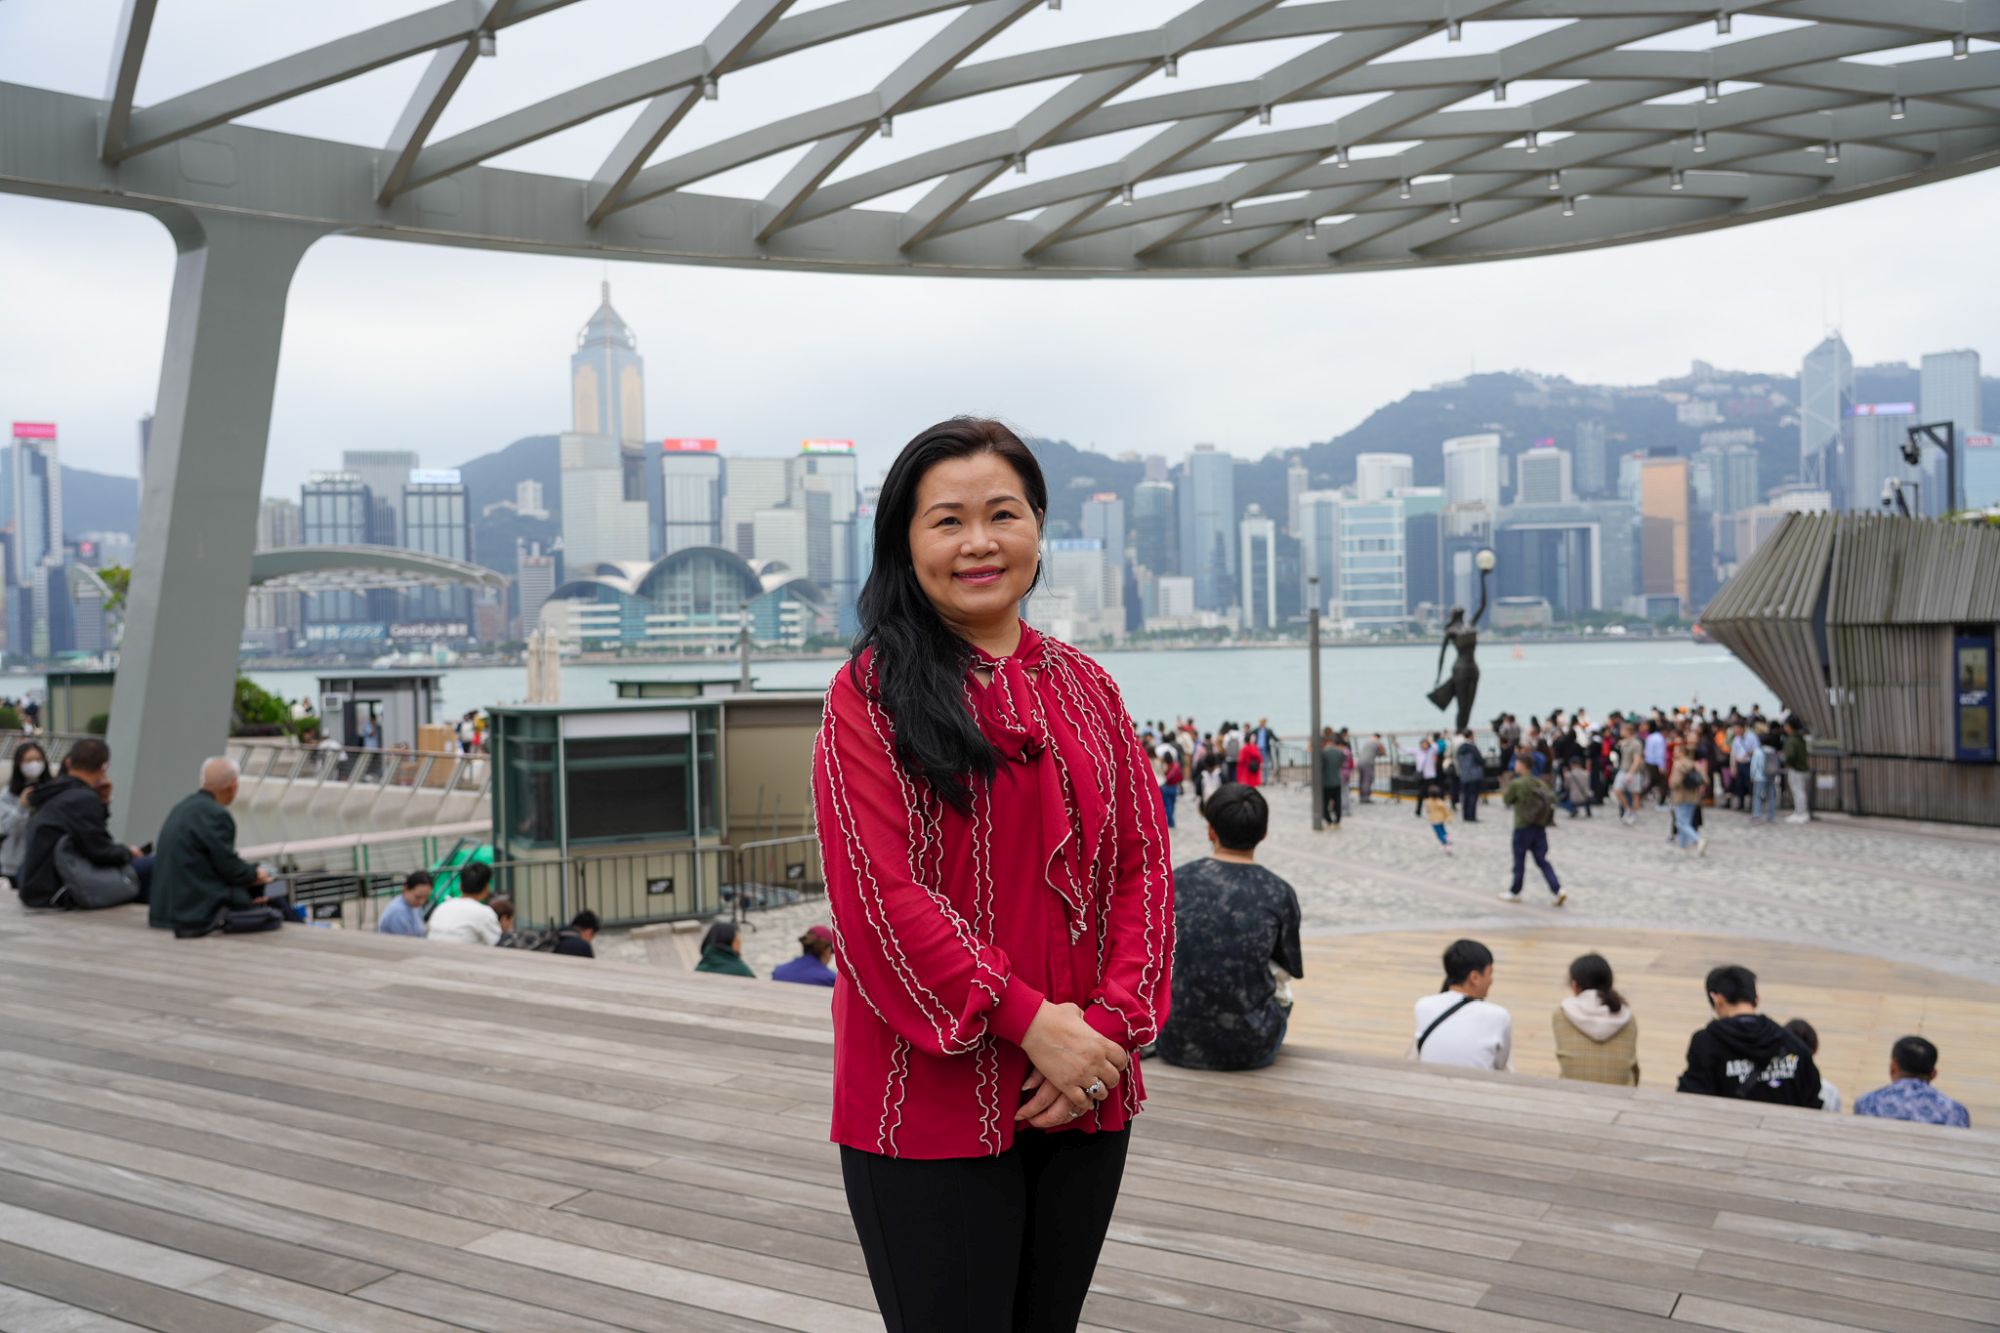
1001, 1244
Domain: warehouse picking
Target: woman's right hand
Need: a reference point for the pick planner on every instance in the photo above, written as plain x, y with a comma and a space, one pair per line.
1070, 1055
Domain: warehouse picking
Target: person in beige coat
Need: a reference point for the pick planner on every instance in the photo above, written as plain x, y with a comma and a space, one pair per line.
1597, 1036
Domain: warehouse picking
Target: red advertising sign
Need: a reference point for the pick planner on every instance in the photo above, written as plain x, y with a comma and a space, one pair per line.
688, 446
34, 430
1979, 441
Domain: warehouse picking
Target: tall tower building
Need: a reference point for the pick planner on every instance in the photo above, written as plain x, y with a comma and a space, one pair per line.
749, 487
336, 509
603, 512
1259, 566
1155, 528
1208, 526
1663, 530
1542, 477
1951, 393
1826, 392
1318, 532
1104, 519
1373, 575
1592, 470
607, 378
829, 468
534, 580
1376, 475
383, 472
436, 521
690, 495
1297, 482
38, 534
1472, 471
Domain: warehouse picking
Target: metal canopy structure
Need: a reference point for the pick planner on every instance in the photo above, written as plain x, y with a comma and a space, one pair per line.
362, 568
1362, 133
997, 138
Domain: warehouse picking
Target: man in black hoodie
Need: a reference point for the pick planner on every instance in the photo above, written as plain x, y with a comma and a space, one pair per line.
1745, 1055
76, 805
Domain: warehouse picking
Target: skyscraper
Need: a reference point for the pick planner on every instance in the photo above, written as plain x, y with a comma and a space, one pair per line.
1104, 519
1872, 448
1319, 549
607, 378
383, 472
690, 495
829, 468
1423, 546
1542, 477
1663, 532
336, 509
1375, 475
1472, 471
1951, 393
1297, 482
1155, 528
603, 514
1259, 566
1208, 526
1592, 466
750, 486
436, 521
1373, 592
534, 580
1826, 392
277, 528
38, 534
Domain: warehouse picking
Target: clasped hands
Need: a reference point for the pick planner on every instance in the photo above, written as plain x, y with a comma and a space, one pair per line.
1068, 1056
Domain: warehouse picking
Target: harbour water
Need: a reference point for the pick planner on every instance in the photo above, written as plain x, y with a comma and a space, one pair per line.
1377, 687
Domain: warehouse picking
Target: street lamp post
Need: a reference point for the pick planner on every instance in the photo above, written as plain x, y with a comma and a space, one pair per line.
1312, 740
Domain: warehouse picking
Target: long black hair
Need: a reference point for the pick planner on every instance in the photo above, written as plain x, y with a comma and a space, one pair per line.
1592, 972
920, 662
20, 782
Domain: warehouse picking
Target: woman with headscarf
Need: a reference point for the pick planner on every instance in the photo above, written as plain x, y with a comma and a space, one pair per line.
998, 871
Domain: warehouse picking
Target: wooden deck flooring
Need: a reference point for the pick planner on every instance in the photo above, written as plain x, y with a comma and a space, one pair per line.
330, 1131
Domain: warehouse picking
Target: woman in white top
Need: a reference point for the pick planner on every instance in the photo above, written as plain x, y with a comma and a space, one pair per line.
1457, 1026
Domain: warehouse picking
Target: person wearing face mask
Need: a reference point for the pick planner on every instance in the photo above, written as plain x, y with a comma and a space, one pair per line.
77, 806
24, 791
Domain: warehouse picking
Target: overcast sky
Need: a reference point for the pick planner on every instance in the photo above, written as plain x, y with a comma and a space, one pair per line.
453, 353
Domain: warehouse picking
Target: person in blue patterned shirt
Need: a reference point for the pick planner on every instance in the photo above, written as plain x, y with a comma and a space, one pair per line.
1910, 1096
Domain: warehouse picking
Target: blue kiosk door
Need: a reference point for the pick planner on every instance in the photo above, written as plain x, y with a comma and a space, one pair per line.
1972, 676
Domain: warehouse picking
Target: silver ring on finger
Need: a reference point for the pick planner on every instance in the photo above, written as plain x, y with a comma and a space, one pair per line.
1096, 1090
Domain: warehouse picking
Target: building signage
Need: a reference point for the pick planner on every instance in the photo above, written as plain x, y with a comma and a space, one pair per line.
1076, 544
434, 476
1972, 680
688, 446
1883, 410
430, 629
332, 633
34, 430
1979, 441
826, 447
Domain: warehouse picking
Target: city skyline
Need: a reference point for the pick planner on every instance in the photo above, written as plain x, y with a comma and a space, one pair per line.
454, 350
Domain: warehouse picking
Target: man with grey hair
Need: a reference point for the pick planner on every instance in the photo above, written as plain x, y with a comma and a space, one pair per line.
198, 878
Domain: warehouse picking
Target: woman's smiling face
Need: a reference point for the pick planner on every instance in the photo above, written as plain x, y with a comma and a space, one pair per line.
974, 541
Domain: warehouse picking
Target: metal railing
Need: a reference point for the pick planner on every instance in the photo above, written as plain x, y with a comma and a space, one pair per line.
774, 872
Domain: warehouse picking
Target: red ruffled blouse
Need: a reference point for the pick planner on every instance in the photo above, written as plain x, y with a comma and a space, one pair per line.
953, 926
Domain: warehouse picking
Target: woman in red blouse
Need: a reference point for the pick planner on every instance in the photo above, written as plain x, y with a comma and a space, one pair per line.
1002, 901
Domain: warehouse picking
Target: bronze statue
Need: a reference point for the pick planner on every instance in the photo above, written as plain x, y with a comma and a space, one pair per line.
1463, 635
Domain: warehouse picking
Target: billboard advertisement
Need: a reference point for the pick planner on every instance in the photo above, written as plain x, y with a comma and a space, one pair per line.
688, 446
346, 633
1883, 410
826, 447
1979, 441
34, 430
430, 629
434, 476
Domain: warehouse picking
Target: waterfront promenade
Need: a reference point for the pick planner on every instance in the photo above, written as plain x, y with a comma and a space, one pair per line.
332, 1131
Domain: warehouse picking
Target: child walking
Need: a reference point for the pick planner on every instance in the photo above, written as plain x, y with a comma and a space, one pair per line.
1438, 810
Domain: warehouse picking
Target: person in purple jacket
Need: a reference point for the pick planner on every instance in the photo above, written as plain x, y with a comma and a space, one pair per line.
809, 968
